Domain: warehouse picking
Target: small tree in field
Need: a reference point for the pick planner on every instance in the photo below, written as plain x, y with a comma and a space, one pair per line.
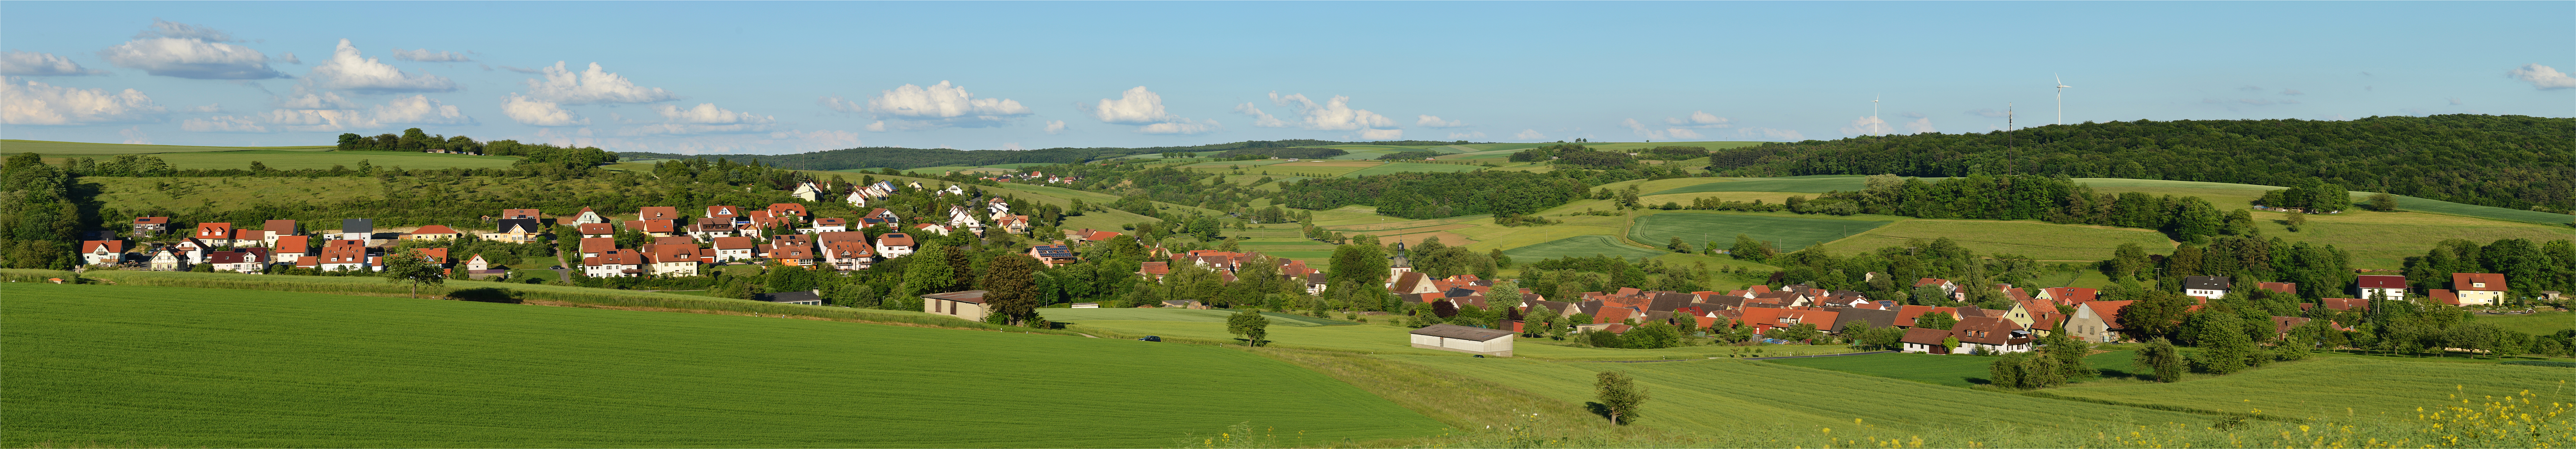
1618, 395
1250, 324
414, 267
2162, 358
2295, 221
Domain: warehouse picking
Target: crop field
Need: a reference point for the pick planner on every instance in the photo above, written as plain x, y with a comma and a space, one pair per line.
2036, 239
53, 148
1788, 233
2336, 386
1952, 370
2493, 213
1406, 167
1309, 168
2542, 323
97, 365
1578, 246
1801, 184
1711, 398
1685, 199
2383, 240
1193, 315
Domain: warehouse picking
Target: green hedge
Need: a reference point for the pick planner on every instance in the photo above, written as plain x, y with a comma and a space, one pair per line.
485, 291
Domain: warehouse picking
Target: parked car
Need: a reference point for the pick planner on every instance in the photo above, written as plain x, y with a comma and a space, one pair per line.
557, 267
1150, 338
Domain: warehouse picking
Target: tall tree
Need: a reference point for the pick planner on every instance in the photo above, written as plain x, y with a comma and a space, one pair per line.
1250, 324
1009, 285
2162, 358
927, 271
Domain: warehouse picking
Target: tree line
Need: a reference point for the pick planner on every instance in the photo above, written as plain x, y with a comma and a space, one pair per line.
1436, 195
2509, 161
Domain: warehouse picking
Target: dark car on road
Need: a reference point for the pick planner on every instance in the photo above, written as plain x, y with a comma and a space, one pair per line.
1150, 338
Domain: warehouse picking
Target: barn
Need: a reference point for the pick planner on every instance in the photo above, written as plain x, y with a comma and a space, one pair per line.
1471, 340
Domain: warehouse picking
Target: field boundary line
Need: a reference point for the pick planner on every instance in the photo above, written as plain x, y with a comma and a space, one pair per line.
1818, 355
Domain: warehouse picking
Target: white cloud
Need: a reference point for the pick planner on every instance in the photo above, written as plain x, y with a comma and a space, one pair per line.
24, 102
1529, 134
589, 86
1334, 114
418, 110
1055, 127
539, 112
2542, 77
224, 124
305, 98
522, 70
1134, 107
1467, 135
134, 136
425, 55
1013, 146
2455, 101
1382, 134
189, 51
1434, 121
1919, 126
1259, 118
349, 70
213, 108
1181, 127
289, 57
706, 118
942, 105
1700, 119
1770, 134
28, 63
1868, 126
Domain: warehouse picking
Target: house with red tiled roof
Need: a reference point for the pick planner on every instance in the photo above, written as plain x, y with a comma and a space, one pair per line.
148, 227
614, 263
2442, 296
672, 260
596, 230
732, 248
591, 247
2345, 304
525, 214
2069, 295
2096, 321
791, 212
658, 213
2287, 288
848, 255
1925, 340
1991, 335
270, 230
103, 252
655, 228
2478, 288
2380, 287
894, 245
291, 249
431, 232
2281, 325
218, 234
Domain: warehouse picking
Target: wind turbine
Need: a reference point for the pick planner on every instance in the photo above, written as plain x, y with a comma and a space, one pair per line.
1873, 111
2061, 98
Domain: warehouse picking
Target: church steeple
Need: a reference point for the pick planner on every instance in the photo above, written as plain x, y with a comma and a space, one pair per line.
1398, 264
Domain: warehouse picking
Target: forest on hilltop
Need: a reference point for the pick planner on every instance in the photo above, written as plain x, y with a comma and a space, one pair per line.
2508, 161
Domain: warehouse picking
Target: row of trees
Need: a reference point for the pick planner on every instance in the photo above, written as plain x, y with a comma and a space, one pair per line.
2508, 161
1437, 195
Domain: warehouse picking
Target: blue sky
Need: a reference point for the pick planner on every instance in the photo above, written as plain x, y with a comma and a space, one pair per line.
752, 77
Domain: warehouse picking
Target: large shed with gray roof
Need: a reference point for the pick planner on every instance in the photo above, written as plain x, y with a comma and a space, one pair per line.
1471, 340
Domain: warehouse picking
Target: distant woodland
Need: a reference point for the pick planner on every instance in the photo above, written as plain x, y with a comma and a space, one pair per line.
2506, 161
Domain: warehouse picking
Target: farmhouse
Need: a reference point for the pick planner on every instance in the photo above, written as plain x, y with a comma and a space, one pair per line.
2205, 287
2096, 321
1471, 340
968, 305
1925, 340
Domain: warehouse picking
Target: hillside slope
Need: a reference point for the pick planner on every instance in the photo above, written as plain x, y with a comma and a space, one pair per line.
158, 366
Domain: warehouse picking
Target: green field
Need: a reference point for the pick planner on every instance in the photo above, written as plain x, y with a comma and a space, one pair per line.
2336, 387
1801, 184
1375, 338
1788, 233
2542, 323
1191, 315
158, 367
2493, 213
1578, 246
1746, 399
293, 160
2035, 239
1403, 167
52, 148
1952, 370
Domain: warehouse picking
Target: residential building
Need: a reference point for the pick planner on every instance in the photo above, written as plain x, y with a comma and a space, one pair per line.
726, 213
149, 227
432, 232
1015, 224
807, 190
1925, 340
658, 213
1054, 254
795, 250
103, 252
709, 229
2478, 288
591, 247
789, 212
894, 245
2286, 288
2206, 287
515, 230
344, 254
272, 229
730, 249
588, 216
963, 218
168, 260
828, 224
595, 230
672, 260
291, 249
848, 255
218, 234
2095, 321
362, 229
927, 229
1991, 335
518, 214
614, 263
655, 227
1471, 340
967, 305
2380, 287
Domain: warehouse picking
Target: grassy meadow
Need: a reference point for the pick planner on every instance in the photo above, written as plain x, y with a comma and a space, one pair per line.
149, 366
2542, 323
2036, 239
2333, 387
1376, 337
1578, 246
2383, 240
1788, 232
1952, 370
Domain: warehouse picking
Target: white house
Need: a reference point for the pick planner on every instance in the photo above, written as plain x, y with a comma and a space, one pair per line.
959, 217
807, 190
2205, 287
102, 252
894, 245
1471, 340
589, 217
733, 248
828, 224
614, 263
2380, 287
928, 228
997, 208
